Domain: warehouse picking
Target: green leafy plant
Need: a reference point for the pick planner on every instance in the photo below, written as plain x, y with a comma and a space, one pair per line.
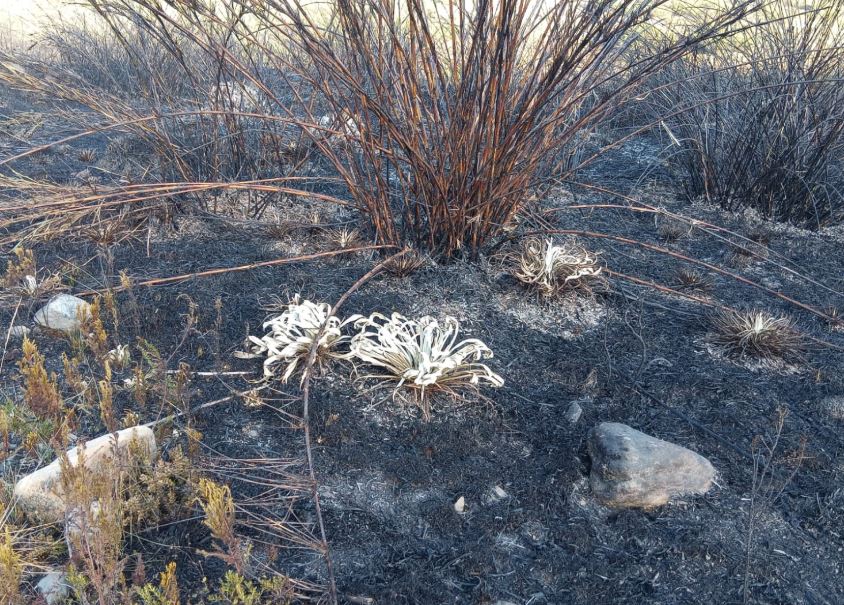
237, 590
167, 591
160, 490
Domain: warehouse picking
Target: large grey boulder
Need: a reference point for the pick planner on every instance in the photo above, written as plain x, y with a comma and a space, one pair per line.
633, 470
63, 312
40, 494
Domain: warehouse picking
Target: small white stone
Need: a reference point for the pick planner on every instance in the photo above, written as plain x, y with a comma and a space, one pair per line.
63, 313
460, 505
53, 587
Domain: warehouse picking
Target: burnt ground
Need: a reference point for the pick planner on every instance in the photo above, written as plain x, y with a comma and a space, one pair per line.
388, 479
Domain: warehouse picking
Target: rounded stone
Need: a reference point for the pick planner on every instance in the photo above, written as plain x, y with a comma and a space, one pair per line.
633, 470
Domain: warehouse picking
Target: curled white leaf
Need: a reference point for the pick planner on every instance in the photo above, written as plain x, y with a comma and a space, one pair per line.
422, 352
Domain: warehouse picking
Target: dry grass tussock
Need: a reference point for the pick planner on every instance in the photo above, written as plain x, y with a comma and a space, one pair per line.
757, 121
757, 334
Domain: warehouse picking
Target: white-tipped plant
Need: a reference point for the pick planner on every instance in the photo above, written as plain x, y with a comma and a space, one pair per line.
345, 237
757, 333
291, 334
422, 353
552, 268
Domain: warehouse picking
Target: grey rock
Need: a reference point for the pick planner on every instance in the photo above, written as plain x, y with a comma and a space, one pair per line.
18, 332
574, 412
40, 495
633, 470
495, 494
834, 407
63, 313
53, 587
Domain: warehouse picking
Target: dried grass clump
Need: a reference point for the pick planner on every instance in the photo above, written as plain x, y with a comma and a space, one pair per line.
406, 264
833, 318
744, 254
551, 269
692, 280
440, 125
292, 333
217, 504
41, 393
671, 230
756, 333
95, 527
87, 156
279, 229
344, 237
22, 277
422, 353
11, 570
757, 121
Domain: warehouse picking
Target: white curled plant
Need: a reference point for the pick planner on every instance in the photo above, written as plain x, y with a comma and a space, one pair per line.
422, 353
551, 268
290, 335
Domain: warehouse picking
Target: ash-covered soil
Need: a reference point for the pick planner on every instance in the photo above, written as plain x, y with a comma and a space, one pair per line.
531, 532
